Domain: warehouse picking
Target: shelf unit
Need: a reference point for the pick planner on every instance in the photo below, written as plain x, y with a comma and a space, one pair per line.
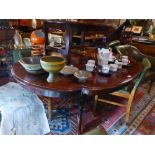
70, 29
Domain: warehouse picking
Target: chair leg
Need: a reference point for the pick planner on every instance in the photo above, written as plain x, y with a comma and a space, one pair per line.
95, 104
128, 110
150, 86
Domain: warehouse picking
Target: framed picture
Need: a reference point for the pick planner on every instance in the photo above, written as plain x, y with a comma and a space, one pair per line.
137, 29
128, 29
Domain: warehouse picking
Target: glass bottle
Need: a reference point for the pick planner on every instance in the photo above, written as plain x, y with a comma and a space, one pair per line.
18, 40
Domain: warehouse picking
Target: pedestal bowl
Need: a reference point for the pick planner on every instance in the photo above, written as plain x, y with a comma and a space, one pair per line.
52, 65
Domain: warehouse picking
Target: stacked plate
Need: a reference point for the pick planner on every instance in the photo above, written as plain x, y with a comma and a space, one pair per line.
32, 65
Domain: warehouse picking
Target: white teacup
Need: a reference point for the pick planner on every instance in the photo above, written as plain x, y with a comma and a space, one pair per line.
105, 68
119, 64
91, 61
125, 62
90, 67
113, 67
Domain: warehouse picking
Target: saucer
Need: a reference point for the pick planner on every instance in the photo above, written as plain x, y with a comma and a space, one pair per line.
111, 62
105, 74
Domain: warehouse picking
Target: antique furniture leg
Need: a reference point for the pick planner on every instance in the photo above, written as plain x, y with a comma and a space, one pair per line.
95, 104
80, 112
83, 99
49, 100
129, 105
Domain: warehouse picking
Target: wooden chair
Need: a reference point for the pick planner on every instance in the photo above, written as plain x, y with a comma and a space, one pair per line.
134, 52
128, 92
131, 51
114, 43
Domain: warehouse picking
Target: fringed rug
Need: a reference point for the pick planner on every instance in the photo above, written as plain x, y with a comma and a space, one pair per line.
64, 121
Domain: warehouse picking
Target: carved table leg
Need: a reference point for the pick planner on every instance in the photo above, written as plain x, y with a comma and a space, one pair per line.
83, 99
80, 112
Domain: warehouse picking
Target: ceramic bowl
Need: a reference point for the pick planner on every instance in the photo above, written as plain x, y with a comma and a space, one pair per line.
52, 65
31, 63
82, 75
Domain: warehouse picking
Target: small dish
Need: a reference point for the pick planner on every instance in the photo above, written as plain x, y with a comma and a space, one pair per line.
69, 70
82, 75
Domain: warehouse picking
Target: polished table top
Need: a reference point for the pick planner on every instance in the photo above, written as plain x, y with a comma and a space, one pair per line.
70, 85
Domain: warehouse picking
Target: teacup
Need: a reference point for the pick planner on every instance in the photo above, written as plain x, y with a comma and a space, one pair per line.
90, 67
91, 61
105, 68
113, 67
125, 62
119, 64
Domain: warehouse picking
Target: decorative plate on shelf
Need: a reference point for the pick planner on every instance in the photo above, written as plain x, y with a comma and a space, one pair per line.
69, 70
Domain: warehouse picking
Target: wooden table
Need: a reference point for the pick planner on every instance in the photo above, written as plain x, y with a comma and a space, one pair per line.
68, 85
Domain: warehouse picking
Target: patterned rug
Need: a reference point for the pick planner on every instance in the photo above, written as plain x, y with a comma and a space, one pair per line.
109, 117
65, 118
148, 124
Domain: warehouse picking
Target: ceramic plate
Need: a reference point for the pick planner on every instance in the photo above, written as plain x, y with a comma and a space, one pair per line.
35, 72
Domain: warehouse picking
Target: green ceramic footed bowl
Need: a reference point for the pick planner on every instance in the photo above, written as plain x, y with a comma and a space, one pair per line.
52, 64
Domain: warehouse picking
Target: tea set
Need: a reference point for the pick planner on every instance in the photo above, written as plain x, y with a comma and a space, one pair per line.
107, 62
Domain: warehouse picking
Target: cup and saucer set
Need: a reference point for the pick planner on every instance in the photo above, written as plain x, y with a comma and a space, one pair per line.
109, 68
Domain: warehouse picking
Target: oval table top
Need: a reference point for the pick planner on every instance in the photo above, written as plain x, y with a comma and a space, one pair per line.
69, 84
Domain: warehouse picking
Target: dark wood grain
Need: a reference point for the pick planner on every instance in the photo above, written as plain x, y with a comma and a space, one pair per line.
69, 84
145, 48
